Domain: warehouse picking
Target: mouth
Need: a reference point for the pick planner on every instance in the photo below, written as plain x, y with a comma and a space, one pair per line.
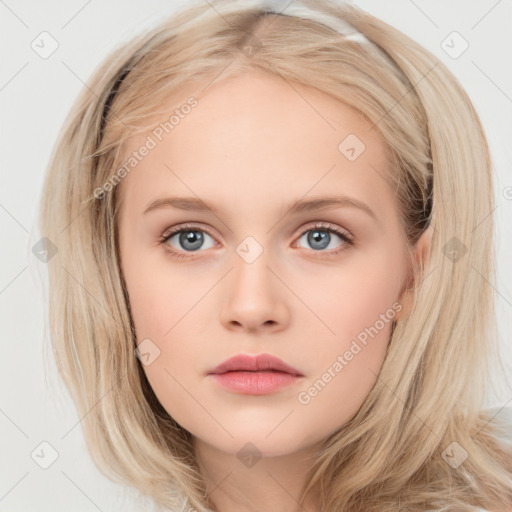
260, 375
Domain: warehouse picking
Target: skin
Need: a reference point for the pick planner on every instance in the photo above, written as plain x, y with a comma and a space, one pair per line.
251, 146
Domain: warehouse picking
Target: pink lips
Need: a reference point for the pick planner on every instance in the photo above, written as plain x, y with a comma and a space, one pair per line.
255, 375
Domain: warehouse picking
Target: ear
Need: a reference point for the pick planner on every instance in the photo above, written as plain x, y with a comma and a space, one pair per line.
420, 254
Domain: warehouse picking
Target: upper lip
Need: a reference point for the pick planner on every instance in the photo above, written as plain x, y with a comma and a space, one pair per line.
260, 362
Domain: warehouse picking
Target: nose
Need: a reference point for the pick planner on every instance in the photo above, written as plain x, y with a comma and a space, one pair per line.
254, 298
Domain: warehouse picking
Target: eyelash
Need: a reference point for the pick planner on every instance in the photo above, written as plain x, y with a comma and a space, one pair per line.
320, 226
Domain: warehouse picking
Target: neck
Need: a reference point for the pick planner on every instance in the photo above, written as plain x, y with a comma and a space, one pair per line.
244, 482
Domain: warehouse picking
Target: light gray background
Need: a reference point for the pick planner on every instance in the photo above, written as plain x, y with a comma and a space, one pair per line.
35, 96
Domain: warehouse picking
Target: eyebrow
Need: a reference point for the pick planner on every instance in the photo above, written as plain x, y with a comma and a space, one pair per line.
299, 206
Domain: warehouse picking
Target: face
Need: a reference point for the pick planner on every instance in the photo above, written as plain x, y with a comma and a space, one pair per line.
317, 287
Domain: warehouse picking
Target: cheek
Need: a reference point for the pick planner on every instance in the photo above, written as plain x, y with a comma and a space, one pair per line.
161, 297
166, 307
357, 306
340, 388
353, 296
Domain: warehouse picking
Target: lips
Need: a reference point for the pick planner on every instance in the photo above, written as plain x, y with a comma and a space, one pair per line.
258, 363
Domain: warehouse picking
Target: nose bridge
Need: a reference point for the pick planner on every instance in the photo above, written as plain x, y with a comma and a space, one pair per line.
251, 272
254, 297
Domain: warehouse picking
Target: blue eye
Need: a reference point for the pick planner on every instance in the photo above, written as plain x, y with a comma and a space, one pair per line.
191, 238
188, 239
320, 237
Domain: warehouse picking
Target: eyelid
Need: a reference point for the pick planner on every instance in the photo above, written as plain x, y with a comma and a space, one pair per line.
184, 227
328, 226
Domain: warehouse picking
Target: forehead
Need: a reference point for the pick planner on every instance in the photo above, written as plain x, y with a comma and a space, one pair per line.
257, 136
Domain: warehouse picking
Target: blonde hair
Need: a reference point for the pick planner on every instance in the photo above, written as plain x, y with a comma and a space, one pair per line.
431, 388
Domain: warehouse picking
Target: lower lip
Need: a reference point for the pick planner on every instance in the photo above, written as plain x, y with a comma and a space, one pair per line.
255, 383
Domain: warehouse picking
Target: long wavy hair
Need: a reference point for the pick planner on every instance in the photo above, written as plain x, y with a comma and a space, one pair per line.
431, 390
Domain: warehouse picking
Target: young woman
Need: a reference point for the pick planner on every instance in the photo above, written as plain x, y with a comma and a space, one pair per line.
279, 231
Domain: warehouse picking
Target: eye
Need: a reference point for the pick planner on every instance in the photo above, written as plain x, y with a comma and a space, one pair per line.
186, 239
319, 237
191, 238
